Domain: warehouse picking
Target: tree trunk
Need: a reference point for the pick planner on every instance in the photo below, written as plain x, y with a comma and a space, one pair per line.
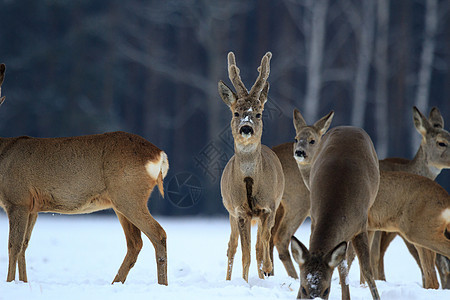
426, 63
381, 79
315, 58
364, 60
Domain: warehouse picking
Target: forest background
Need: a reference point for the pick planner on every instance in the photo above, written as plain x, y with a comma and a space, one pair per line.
152, 67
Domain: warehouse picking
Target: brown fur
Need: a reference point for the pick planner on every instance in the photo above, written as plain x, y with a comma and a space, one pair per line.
296, 195
81, 175
342, 173
252, 182
429, 160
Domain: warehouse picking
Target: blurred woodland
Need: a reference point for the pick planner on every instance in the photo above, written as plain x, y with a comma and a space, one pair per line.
152, 67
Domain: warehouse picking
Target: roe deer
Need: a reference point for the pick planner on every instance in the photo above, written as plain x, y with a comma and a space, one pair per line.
82, 174
296, 195
252, 182
418, 209
341, 171
432, 156
295, 203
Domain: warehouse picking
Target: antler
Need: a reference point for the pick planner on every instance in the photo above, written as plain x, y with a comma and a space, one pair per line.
264, 71
2, 76
233, 74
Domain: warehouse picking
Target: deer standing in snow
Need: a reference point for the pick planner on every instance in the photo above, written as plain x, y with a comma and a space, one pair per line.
252, 182
341, 171
77, 175
432, 156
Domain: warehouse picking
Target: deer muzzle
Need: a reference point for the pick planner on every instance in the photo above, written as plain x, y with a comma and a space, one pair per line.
246, 131
300, 155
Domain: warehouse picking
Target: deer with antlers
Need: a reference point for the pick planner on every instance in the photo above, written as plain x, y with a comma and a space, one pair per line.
252, 182
77, 175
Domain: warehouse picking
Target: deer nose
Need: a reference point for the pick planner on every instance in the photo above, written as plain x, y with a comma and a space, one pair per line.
246, 130
300, 153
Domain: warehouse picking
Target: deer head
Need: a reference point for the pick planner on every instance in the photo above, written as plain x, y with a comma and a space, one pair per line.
308, 137
2, 76
316, 269
435, 139
246, 107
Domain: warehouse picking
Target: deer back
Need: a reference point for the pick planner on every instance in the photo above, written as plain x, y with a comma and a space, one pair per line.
76, 174
344, 181
420, 212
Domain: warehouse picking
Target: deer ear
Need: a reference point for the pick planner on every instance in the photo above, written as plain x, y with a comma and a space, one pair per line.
299, 122
420, 122
324, 123
2, 72
299, 252
337, 255
227, 95
436, 120
264, 93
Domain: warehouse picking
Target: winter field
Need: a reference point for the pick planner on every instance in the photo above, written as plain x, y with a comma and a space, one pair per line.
77, 257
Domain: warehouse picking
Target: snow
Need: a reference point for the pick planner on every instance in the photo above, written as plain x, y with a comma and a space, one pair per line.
77, 257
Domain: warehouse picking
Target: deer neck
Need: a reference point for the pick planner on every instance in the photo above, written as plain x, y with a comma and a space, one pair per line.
305, 171
248, 158
420, 165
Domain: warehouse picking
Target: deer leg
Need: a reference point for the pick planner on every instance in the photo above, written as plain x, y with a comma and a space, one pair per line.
260, 251
371, 238
350, 254
278, 221
343, 279
386, 239
413, 250
267, 220
134, 246
282, 240
361, 246
138, 214
244, 232
18, 219
427, 259
443, 266
375, 254
232, 245
21, 260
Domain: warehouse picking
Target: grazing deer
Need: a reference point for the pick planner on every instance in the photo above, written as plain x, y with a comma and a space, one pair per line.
252, 182
296, 196
83, 174
341, 171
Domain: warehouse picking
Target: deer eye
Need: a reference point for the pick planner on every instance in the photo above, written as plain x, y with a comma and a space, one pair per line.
442, 144
296, 141
326, 292
258, 115
312, 142
236, 114
303, 291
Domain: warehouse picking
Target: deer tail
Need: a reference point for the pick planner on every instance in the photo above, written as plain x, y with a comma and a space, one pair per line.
162, 172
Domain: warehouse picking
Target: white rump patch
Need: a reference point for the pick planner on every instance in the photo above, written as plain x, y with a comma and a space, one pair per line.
446, 215
162, 165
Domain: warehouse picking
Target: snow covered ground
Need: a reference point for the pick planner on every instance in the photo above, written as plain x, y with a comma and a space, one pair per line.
77, 257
